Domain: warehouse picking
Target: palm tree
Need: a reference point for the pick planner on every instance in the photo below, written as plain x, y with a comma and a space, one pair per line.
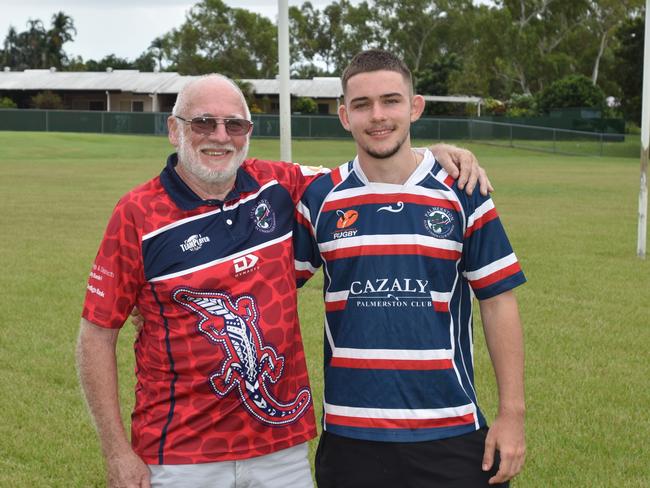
62, 31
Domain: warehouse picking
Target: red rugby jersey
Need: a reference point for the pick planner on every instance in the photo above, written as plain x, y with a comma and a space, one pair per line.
220, 366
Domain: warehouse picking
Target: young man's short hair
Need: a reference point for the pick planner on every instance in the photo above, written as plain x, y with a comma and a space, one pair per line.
375, 60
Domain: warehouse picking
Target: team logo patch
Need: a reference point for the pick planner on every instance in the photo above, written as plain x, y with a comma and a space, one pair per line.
194, 242
250, 366
439, 222
346, 218
344, 223
264, 217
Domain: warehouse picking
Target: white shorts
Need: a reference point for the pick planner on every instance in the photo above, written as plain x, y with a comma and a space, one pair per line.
281, 469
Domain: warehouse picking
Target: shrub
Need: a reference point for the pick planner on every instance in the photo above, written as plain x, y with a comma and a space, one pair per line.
6, 102
47, 100
574, 91
305, 105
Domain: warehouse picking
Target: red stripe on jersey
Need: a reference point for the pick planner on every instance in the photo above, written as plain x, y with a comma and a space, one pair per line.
336, 176
398, 423
449, 181
441, 306
304, 274
335, 306
481, 221
395, 249
412, 364
496, 276
390, 198
302, 220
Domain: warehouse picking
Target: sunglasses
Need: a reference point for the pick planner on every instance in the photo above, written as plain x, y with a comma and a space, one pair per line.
207, 125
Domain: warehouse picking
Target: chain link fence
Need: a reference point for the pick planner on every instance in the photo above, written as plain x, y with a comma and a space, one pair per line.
323, 127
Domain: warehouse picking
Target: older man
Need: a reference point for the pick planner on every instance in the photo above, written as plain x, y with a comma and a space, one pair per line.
204, 251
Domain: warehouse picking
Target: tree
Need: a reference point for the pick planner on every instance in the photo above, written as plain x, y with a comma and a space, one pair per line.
416, 29
572, 92
110, 61
36, 47
217, 38
62, 31
629, 66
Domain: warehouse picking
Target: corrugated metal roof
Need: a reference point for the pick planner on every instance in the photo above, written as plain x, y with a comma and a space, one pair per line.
315, 88
137, 82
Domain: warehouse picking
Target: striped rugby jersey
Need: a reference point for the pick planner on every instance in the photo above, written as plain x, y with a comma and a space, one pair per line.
220, 366
401, 266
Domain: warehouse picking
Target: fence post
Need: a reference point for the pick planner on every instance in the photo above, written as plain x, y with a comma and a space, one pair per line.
439, 122
47, 121
601, 143
554, 144
512, 144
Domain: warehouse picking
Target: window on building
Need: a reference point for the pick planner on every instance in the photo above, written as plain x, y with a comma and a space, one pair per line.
137, 106
96, 105
323, 108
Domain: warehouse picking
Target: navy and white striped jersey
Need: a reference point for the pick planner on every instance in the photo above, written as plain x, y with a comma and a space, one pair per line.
401, 266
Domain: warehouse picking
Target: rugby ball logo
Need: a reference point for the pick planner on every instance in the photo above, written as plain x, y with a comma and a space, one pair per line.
346, 218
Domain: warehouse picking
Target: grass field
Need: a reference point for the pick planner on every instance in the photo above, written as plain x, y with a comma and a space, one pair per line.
572, 222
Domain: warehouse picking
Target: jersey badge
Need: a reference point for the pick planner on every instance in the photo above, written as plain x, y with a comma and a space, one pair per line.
344, 223
264, 217
250, 366
439, 222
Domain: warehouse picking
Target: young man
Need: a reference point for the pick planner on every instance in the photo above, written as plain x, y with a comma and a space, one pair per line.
203, 250
404, 251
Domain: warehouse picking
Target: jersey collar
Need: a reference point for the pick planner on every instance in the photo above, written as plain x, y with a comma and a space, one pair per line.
186, 199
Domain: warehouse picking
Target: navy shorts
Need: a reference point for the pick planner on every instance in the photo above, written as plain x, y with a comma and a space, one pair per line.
343, 462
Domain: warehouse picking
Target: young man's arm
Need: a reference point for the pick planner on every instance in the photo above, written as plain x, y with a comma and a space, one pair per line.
504, 337
97, 366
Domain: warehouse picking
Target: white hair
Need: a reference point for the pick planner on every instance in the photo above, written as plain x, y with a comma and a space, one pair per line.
183, 98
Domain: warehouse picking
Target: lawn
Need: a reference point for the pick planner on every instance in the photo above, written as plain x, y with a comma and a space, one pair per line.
571, 220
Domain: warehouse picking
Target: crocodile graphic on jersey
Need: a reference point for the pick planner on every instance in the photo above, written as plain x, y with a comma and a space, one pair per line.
250, 365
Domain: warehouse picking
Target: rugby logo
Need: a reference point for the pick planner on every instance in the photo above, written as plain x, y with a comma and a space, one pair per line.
346, 219
439, 222
194, 242
264, 217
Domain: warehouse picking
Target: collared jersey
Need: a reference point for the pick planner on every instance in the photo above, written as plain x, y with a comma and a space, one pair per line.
401, 265
220, 366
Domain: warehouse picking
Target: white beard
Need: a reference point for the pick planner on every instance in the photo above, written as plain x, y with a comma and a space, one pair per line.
188, 157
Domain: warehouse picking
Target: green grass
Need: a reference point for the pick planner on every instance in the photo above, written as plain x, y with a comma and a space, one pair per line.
572, 221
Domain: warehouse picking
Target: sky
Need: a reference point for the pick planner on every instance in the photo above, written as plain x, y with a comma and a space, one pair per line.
121, 27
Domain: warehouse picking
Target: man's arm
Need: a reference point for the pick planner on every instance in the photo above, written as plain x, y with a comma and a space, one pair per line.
462, 165
504, 337
97, 366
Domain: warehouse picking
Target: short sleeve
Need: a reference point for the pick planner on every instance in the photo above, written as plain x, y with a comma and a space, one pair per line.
117, 275
490, 264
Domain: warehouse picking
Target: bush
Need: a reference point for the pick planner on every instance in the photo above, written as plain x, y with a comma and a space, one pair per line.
6, 102
492, 106
521, 106
305, 105
47, 100
574, 91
